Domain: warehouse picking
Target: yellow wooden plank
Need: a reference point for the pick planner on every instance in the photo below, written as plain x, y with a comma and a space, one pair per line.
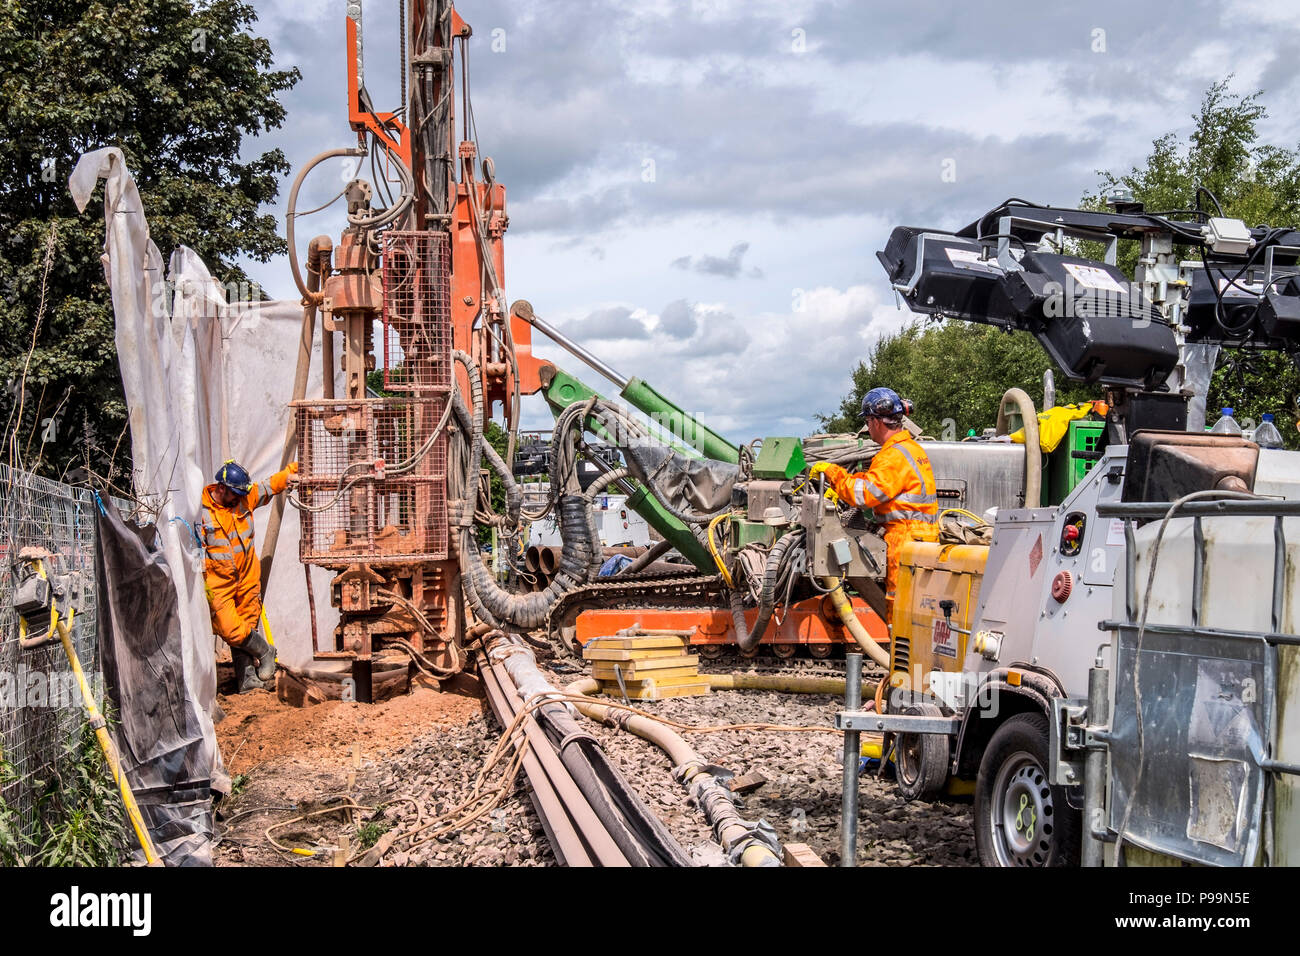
655, 691
641, 654
629, 643
665, 681
604, 670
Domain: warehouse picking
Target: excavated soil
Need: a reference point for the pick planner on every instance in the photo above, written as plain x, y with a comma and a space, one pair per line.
420, 755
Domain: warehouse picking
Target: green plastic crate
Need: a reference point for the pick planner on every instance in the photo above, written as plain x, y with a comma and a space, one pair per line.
1064, 471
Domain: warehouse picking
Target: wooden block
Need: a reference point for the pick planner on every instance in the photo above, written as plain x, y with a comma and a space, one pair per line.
746, 782
657, 690
657, 679
800, 854
629, 643
642, 654
631, 671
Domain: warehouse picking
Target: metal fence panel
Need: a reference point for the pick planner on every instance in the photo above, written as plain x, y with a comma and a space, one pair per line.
40, 704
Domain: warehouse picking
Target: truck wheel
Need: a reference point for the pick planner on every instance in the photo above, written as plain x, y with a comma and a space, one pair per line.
921, 760
1020, 818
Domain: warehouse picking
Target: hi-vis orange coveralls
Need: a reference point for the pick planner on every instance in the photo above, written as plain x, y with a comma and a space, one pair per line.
899, 489
232, 573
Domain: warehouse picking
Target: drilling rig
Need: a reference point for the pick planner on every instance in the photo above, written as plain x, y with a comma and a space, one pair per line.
390, 486
417, 282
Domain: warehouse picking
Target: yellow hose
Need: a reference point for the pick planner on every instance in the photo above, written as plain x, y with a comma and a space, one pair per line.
107, 746
713, 549
849, 619
778, 683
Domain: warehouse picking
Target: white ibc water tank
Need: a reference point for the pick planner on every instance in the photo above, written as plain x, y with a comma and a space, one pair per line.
1238, 596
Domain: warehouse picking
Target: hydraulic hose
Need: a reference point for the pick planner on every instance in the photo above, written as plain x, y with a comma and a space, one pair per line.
292, 213
385, 216
844, 607
746, 639
657, 551
514, 494
1033, 453
743, 841
484, 594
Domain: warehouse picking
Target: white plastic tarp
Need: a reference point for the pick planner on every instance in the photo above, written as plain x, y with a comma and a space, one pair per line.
206, 379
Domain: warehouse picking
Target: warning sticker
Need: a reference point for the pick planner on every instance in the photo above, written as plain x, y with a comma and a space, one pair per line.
1093, 277
941, 637
1036, 556
1115, 532
970, 259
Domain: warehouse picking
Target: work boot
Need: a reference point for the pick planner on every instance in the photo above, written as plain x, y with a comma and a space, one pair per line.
263, 652
245, 671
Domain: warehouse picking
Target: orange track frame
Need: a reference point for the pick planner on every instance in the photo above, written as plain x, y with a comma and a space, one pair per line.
805, 623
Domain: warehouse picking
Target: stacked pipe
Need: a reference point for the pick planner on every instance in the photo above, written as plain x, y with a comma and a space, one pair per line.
636, 830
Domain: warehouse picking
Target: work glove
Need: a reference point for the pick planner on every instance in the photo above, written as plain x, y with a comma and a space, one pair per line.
831, 471
824, 468
292, 469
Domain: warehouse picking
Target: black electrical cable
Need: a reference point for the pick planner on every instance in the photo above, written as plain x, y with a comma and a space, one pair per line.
1269, 239
1004, 206
1218, 207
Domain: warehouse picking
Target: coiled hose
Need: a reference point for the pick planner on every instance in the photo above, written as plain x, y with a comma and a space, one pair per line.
745, 638
491, 602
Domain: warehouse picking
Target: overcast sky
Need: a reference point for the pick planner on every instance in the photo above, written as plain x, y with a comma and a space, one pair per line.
697, 190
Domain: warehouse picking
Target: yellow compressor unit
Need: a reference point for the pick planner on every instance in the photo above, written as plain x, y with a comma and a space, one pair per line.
938, 594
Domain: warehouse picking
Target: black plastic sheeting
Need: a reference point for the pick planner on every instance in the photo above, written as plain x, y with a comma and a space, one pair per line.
165, 755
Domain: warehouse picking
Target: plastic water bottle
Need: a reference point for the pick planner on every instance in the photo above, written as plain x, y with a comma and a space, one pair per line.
1226, 425
1266, 434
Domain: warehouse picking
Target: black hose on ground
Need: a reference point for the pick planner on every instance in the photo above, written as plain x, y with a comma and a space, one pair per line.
634, 828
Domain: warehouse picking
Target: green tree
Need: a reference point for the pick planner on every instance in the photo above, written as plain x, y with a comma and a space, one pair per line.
955, 373
1253, 181
177, 85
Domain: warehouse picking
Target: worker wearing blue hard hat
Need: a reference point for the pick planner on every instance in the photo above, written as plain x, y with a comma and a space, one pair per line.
232, 571
899, 486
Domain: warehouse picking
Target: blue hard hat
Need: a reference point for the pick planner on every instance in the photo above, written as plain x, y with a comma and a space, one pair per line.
884, 402
234, 477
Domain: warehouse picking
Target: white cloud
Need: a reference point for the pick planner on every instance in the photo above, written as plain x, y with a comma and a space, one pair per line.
809, 158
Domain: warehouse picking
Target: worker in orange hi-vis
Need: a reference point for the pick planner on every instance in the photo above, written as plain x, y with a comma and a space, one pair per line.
898, 487
232, 574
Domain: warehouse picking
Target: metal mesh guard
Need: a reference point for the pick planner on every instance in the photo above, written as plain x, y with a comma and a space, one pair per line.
417, 312
389, 520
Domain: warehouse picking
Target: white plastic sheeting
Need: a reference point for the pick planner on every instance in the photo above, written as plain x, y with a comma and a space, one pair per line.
206, 379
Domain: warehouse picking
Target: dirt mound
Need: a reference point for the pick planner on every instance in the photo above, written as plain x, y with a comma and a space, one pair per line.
258, 728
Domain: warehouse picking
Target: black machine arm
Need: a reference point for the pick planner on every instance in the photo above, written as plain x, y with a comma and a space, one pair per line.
1012, 268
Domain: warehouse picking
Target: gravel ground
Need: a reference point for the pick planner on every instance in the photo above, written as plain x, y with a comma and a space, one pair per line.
804, 771
437, 768
437, 771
